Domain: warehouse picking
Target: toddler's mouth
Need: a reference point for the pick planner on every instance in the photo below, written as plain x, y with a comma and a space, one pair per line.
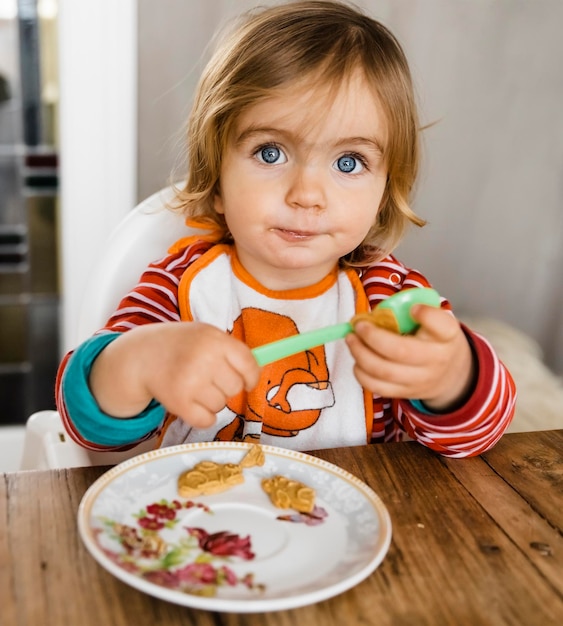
293, 235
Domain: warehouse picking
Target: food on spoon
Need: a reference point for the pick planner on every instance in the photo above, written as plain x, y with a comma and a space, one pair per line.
286, 493
207, 477
394, 313
384, 318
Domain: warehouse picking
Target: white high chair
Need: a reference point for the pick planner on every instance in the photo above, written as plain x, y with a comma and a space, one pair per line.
144, 235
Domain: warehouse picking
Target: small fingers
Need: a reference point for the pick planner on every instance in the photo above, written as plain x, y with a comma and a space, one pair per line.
245, 365
230, 380
369, 341
388, 381
435, 324
434, 364
198, 407
199, 416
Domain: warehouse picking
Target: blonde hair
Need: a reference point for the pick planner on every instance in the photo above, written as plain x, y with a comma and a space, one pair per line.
274, 47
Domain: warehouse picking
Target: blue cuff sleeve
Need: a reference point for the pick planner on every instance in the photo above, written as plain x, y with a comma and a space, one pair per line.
90, 421
419, 406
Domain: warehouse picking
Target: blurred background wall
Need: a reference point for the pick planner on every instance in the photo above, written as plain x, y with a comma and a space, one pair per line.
489, 74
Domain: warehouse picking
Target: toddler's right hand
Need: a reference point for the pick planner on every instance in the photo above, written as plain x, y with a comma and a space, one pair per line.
190, 367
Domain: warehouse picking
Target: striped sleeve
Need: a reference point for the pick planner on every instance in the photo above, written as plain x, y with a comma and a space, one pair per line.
388, 277
480, 422
154, 299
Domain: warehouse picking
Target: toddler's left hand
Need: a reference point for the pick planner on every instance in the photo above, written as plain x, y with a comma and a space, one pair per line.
435, 365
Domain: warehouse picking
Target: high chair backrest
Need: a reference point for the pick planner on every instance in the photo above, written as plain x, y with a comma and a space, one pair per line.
143, 236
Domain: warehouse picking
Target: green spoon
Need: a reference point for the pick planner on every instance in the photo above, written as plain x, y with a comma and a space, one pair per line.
393, 313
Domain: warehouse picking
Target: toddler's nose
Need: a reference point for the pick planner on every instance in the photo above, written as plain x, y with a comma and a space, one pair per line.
306, 189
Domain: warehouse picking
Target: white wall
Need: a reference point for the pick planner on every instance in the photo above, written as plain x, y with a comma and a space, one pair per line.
490, 72
98, 137
168, 73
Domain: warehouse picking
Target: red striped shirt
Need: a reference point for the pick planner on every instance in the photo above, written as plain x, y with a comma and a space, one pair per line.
468, 431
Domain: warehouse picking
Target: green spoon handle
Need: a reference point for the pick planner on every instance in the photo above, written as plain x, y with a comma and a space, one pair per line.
399, 303
276, 350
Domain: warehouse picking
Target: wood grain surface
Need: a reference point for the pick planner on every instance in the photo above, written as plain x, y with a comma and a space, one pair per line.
475, 541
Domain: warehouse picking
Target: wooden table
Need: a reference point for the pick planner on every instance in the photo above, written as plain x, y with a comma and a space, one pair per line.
475, 541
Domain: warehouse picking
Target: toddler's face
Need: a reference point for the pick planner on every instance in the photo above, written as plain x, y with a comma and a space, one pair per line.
301, 181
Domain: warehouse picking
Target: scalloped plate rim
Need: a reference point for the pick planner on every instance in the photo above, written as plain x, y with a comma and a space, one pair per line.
248, 605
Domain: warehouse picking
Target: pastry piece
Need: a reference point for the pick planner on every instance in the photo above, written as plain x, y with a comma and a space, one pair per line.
384, 318
394, 312
286, 493
255, 456
207, 477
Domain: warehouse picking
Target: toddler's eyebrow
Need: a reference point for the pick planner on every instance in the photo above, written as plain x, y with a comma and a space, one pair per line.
247, 133
371, 143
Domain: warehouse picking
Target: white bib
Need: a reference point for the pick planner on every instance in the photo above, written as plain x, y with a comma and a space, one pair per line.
307, 401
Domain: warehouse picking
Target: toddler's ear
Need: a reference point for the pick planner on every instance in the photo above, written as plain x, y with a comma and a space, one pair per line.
218, 201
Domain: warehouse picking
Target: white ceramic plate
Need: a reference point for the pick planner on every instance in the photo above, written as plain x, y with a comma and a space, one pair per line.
233, 551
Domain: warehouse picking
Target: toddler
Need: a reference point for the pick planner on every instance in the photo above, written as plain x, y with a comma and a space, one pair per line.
303, 148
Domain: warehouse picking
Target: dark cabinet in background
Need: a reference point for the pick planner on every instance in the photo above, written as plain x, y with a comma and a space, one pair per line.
29, 291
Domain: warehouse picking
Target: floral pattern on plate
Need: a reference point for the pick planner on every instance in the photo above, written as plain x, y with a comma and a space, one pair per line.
196, 564
233, 551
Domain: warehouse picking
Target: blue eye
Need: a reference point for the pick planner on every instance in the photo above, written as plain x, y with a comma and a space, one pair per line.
270, 154
349, 164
